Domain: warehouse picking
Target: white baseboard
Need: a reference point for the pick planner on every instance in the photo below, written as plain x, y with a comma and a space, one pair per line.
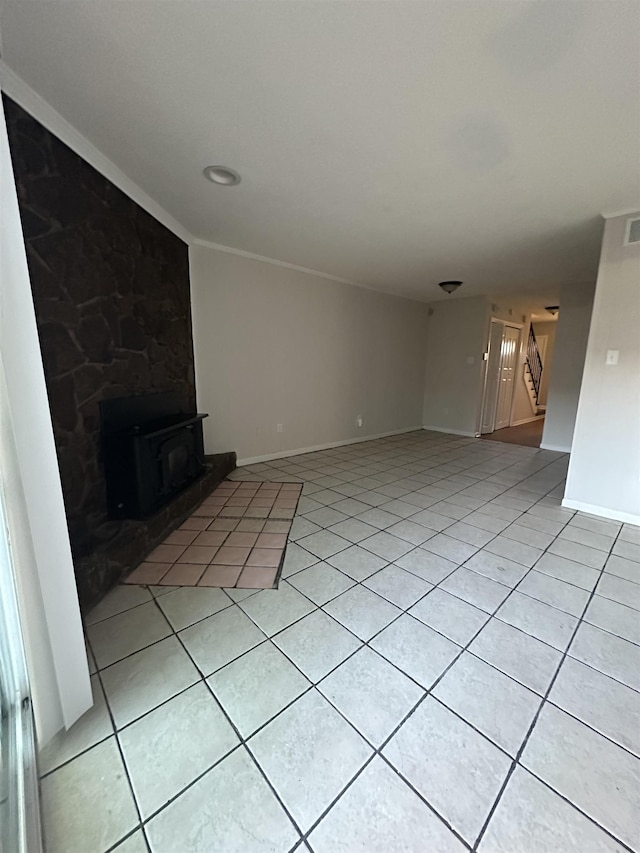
557, 447
451, 431
602, 511
527, 420
281, 454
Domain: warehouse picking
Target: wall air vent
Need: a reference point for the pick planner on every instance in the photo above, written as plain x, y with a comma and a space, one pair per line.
632, 232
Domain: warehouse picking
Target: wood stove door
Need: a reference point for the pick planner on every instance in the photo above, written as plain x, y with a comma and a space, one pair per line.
178, 461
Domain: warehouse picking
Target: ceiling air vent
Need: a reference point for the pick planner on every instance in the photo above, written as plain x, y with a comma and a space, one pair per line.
632, 233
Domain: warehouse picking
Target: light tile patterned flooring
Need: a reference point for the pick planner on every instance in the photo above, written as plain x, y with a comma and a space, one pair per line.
235, 538
451, 663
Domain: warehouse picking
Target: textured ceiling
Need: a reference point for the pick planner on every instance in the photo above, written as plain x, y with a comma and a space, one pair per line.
394, 144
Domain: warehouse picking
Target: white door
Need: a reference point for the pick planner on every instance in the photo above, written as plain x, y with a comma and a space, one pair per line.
508, 364
492, 377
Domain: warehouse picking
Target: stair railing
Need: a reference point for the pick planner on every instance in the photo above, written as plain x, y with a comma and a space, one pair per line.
534, 363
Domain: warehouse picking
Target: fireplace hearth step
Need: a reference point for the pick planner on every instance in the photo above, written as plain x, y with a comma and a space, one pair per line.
236, 538
112, 558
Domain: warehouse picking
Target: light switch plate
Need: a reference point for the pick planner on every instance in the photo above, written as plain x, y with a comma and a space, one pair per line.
612, 356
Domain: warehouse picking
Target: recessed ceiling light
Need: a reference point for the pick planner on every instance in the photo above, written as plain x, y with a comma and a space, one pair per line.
222, 175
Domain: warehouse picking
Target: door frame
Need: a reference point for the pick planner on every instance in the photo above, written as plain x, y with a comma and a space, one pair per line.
485, 378
516, 371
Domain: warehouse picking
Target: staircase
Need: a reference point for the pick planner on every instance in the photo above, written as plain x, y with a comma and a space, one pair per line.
533, 373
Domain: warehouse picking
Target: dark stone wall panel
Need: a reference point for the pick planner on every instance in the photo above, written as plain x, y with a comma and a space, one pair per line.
111, 295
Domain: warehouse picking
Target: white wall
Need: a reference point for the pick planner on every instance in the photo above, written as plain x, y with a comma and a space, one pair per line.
456, 340
604, 470
30, 484
576, 302
278, 346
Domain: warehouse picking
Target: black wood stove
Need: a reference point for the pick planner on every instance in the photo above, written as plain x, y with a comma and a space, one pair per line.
153, 449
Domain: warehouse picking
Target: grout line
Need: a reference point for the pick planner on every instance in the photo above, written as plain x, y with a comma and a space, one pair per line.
243, 741
592, 728
122, 759
608, 630
506, 675
302, 842
576, 808
429, 692
161, 639
358, 582
516, 761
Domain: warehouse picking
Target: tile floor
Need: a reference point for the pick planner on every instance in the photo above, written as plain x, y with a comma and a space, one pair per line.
451, 663
236, 538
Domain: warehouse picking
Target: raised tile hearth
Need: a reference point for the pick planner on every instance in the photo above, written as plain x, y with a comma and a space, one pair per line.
236, 538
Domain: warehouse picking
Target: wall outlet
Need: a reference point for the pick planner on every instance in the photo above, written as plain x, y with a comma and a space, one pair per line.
360, 421
279, 428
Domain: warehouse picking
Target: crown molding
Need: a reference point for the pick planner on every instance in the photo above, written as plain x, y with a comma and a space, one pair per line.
252, 256
198, 241
20, 92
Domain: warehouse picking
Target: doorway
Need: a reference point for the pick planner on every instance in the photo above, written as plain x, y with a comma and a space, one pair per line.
527, 435
502, 363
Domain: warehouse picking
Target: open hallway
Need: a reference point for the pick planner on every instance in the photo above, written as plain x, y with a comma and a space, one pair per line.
526, 435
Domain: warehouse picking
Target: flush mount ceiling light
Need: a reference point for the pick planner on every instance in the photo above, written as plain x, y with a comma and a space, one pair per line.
552, 309
449, 286
222, 175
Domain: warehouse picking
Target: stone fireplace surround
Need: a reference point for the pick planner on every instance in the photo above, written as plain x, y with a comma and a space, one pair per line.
112, 302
